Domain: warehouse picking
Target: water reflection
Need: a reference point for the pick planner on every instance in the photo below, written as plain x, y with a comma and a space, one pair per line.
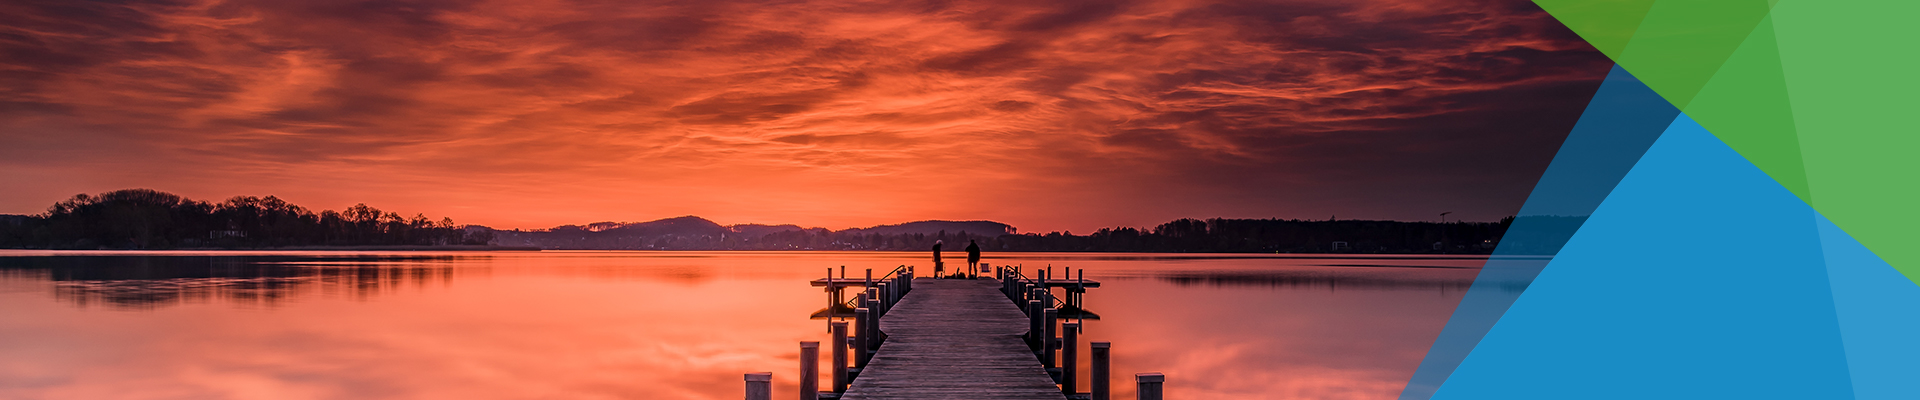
147, 282
1315, 279
678, 325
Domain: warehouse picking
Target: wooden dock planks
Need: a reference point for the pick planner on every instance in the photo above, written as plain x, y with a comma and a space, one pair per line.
954, 339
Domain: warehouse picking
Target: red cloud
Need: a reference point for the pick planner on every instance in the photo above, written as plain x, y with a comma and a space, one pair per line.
1045, 115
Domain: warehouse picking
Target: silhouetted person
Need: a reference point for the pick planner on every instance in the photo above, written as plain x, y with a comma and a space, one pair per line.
937, 267
973, 255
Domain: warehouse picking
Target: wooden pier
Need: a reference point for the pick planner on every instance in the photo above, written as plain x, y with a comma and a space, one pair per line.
998, 337
954, 339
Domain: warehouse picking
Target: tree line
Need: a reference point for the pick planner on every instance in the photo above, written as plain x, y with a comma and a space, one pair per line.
1216, 235
151, 219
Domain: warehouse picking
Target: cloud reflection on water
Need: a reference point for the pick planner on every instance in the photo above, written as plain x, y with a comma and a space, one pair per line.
660, 325
144, 282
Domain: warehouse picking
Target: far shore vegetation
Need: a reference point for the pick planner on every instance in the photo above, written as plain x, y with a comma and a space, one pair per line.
153, 220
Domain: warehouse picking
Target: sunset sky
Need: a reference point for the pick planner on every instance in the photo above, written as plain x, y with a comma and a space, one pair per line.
1046, 115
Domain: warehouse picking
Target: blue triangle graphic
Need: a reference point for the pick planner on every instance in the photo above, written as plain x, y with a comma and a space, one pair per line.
1879, 311
1620, 123
1698, 277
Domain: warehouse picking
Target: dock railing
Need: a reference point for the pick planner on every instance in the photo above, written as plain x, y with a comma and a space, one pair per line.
1057, 343
1054, 343
875, 298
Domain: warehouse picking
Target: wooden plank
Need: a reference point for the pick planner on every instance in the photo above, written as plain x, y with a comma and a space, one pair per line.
954, 339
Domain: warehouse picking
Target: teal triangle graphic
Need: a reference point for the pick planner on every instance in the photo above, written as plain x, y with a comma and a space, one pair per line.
1879, 311
1699, 277
1620, 123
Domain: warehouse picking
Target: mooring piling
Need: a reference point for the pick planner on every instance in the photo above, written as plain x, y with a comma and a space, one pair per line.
839, 357
809, 370
1050, 316
1101, 375
1035, 331
886, 297
1149, 385
760, 386
874, 335
861, 330
1070, 358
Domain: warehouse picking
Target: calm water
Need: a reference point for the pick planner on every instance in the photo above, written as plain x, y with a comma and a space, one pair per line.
658, 325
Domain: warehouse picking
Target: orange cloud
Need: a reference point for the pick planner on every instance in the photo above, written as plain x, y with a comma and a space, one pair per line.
1068, 115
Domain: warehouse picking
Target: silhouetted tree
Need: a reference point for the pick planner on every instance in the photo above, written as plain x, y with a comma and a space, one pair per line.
150, 219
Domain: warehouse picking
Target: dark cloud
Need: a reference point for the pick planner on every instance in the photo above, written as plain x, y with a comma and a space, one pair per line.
1093, 112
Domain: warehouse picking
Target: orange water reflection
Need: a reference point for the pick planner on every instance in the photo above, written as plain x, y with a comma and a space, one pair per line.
656, 325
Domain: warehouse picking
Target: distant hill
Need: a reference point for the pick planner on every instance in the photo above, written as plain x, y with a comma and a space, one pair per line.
752, 230
983, 228
149, 219
687, 225
695, 233
696, 226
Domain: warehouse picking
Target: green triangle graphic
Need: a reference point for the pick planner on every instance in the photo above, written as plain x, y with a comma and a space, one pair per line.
1605, 25
1851, 81
1816, 94
1745, 105
1680, 44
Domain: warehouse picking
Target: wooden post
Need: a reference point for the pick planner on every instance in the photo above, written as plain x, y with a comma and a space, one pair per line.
1149, 385
840, 357
831, 296
1016, 289
1007, 283
1053, 335
1020, 290
809, 370
1013, 287
1069, 358
1102, 375
1007, 289
860, 333
1034, 330
760, 386
886, 297
874, 336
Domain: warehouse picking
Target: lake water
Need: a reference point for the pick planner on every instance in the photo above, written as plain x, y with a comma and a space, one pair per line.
660, 325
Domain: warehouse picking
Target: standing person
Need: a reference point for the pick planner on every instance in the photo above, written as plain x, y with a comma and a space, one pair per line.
937, 267
973, 255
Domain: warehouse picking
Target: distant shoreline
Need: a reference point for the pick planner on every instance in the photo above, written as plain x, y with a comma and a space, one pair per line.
462, 247
990, 255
